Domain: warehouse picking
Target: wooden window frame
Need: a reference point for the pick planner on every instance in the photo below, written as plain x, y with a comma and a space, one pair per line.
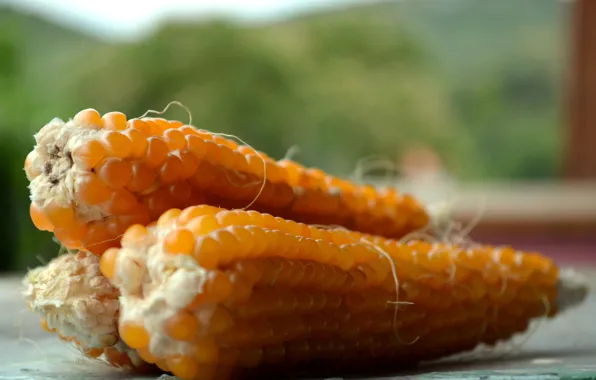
580, 128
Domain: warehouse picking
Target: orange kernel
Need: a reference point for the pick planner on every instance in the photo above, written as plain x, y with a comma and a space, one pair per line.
179, 241
89, 154
203, 225
114, 172
39, 219
206, 252
142, 177
117, 144
88, 118
107, 264
172, 169
182, 326
139, 142
175, 139
134, 334
91, 190
115, 121
135, 235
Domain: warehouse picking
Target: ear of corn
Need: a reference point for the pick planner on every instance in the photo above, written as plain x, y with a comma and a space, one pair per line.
206, 291
93, 176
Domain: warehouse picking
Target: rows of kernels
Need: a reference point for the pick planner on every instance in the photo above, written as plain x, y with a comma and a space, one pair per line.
430, 264
313, 324
466, 332
438, 263
296, 297
256, 338
294, 330
438, 259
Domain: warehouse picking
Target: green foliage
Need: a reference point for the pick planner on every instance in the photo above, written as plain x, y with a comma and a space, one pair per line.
478, 83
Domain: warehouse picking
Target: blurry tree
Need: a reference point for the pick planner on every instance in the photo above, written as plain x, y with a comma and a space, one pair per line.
228, 78
513, 115
355, 87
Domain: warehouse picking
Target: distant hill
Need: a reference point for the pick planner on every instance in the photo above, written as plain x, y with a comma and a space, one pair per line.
465, 35
40, 55
501, 62
40, 40
470, 34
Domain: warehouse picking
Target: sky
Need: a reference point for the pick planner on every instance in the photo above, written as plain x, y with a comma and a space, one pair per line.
130, 19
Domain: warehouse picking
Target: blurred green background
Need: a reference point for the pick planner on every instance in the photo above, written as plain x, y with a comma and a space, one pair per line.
478, 83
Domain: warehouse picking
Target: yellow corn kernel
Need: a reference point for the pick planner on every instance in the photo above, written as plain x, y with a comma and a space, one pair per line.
122, 172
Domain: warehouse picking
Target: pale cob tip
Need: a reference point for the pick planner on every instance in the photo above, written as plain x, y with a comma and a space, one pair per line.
77, 302
572, 289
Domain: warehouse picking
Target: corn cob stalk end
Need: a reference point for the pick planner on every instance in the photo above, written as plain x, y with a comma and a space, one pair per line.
77, 302
572, 290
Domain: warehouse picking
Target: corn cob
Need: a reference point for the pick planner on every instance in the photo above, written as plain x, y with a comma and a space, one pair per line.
93, 176
206, 290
